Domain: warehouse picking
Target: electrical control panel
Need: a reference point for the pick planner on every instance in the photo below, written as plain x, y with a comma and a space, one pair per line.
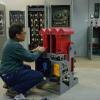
96, 41
96, 10
60, 15
35, 23
17, 17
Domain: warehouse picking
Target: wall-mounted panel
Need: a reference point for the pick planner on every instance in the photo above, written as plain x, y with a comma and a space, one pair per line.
2, 26
17, 17
60, 15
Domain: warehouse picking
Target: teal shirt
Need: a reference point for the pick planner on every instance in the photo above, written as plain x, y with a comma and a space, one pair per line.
13, 55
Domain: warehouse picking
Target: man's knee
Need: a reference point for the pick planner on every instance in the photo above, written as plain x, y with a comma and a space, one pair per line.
40, 76
35, 78
35, 75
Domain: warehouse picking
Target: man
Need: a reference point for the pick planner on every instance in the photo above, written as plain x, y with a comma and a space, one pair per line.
19, 77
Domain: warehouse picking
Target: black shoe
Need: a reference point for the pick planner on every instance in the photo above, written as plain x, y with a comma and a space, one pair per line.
11, 93
6, 86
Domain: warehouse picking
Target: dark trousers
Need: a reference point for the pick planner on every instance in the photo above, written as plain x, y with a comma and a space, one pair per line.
23, 79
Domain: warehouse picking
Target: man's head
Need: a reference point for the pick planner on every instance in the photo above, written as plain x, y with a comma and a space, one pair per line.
17, 32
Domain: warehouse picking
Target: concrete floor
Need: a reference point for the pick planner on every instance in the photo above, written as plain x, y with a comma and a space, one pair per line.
88, 87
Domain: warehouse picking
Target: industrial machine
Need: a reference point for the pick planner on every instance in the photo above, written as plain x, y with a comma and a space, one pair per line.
57, 63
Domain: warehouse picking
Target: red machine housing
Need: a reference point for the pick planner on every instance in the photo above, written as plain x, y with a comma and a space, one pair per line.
57, 40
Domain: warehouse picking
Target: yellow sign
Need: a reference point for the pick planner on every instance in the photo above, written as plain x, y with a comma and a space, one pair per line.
56, 70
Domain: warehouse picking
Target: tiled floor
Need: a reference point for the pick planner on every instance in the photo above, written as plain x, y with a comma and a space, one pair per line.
88, 87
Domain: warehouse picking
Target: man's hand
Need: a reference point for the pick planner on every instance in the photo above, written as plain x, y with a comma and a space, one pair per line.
40, 49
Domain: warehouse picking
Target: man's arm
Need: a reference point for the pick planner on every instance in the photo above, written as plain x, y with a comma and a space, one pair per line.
26, 55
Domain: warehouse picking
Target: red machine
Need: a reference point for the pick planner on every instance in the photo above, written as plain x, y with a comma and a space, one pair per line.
57, 63
57, 40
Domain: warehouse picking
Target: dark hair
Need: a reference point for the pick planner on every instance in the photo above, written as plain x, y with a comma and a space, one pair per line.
15, 29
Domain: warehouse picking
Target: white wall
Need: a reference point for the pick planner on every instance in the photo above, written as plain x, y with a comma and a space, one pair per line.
59, 2
81, 10
2, 1
21, 5
78, 21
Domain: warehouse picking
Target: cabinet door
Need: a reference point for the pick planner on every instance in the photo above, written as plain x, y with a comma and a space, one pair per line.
36, 21
60, 15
